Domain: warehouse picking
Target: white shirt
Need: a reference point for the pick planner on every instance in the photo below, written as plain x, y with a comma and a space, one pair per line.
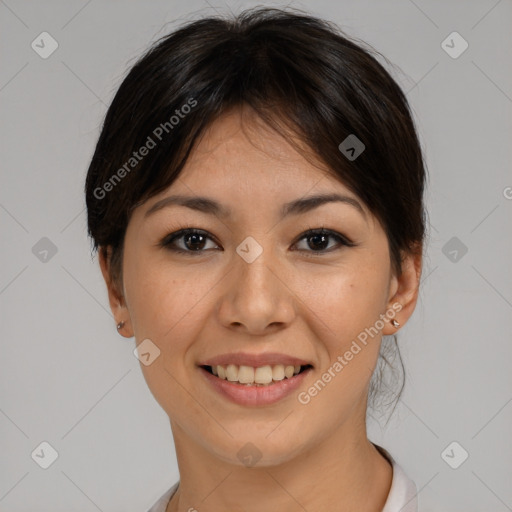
402, 495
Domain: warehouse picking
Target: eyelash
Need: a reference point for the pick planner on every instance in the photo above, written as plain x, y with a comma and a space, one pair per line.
168, 241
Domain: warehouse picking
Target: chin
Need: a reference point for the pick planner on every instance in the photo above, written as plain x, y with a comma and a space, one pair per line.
255, 449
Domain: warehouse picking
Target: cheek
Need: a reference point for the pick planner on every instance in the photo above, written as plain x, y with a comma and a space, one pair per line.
166, 304
349, 300
164, 300
346, 310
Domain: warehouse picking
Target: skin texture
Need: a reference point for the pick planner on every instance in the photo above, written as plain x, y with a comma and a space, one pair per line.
196, 306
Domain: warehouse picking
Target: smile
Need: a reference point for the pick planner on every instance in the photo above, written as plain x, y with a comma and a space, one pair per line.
260, 376
263, 385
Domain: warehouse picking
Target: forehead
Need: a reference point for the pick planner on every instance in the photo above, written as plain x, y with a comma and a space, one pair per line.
241, 167
240, 147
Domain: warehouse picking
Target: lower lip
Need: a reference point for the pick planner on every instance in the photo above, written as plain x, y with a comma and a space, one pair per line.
255, 395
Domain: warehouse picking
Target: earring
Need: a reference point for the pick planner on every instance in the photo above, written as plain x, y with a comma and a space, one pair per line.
395, 323
120, 325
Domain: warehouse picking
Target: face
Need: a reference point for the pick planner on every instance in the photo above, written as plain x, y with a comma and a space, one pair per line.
252, 288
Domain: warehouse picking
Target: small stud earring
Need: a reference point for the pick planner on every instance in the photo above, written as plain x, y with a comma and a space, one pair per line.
120, 325
395, 323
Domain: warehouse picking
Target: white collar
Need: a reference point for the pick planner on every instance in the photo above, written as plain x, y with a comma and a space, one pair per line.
403, 494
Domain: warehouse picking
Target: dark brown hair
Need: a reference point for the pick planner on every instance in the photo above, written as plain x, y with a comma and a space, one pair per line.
301, 75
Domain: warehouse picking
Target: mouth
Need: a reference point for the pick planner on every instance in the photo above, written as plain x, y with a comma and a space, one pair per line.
254, 386
262, 376
250, 379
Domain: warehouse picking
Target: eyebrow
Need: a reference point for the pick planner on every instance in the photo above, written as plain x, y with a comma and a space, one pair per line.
212, 207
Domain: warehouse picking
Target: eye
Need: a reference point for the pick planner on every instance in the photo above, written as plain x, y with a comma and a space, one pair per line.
320, 238
194, 241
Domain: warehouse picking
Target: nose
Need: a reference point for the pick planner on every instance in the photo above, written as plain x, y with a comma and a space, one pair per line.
257, 298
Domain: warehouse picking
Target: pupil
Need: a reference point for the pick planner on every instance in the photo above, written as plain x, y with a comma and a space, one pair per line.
192, 235
324, 237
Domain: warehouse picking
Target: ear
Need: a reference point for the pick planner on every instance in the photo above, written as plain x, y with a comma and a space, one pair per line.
115, 296
404, 290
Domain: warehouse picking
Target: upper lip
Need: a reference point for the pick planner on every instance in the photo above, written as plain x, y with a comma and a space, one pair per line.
255, 360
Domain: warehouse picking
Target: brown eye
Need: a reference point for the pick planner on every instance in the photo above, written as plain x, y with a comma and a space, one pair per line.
318, 240
192, 241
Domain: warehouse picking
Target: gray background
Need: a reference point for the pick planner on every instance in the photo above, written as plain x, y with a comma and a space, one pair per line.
69, 379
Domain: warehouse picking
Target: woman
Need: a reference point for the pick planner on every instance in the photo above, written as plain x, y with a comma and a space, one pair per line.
256, 198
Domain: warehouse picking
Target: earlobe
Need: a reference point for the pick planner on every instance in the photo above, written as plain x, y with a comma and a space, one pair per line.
403, 301
116, 300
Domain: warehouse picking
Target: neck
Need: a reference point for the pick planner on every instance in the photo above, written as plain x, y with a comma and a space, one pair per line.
341, 471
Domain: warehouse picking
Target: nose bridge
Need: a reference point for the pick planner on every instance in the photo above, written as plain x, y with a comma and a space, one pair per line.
254, 277
257, 295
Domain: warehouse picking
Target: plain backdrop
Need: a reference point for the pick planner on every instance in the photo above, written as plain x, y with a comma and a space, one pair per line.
69, 380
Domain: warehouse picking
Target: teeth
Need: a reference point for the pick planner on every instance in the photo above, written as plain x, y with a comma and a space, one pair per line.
245, 374
289, 371
232, 372
263, 375
278, 372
